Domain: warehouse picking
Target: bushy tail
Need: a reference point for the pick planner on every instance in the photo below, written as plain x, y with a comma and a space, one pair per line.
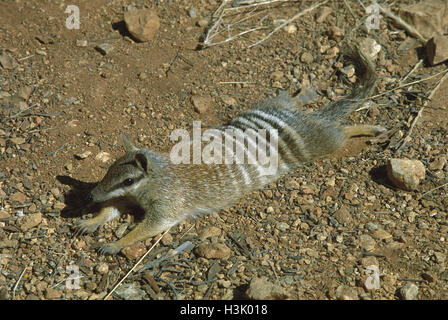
365, 69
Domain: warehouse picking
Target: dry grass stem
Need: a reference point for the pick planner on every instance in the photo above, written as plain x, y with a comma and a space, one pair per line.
223, 23
420, 112
135, 265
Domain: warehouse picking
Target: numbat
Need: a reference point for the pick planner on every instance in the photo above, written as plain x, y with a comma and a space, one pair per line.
169, 193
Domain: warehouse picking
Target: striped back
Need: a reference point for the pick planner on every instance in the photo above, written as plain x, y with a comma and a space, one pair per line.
287, 138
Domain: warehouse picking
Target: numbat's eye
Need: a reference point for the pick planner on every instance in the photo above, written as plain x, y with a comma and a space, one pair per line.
128, 182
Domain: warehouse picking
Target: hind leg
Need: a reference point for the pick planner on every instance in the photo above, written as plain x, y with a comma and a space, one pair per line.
363, 130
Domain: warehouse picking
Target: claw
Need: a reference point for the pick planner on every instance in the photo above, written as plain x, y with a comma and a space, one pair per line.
85, 226
109, 248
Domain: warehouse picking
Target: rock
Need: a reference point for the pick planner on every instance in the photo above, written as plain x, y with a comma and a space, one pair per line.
209, 232
166, 239
438, 163
59, 206
142, 24
440, 257
369, 261
292, 184
201, 103
323, 13
370, 48
277, 84
8, 243
277, 75
4, 214
409, 291
437, 49
372, 227
336, 33
192, 13
380, 234
366, 242
229, 100
68, 166
81, 43
332, 53
282, 226
4, 295
7, 62
222, 283
103, 156
142, 76
55, 191
134, 251
102, 268
18, 197
25, 92
52, 294
130, 291
73, 123
83, 155
213, 251
203, 22
405, 174
30, 221
17, 140
346, 293
119, 232
343, 216
261, 289
104, 48
290, 29
428, 17
349, 71
306, 57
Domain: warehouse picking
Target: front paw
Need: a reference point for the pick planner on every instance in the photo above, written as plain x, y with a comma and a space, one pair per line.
85, 226
109, 248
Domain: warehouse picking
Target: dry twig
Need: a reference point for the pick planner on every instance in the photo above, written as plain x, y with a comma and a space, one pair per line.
288, 22
412, 71
407, 84
135, 265
403, 24
434, 189
222, 12
17, 283
420, 112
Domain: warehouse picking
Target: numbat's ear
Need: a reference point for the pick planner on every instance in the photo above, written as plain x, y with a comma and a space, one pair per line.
127, 144
143, 162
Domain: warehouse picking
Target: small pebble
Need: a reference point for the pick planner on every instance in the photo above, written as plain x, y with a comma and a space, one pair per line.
409, 291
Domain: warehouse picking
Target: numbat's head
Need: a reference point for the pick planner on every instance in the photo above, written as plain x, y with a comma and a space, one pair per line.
127, 175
